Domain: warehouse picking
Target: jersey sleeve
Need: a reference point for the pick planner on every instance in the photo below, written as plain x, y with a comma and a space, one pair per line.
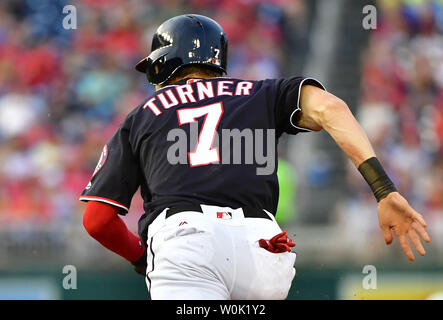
288, 103
117, 175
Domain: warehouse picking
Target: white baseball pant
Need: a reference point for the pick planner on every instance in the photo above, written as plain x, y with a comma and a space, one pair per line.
197, 256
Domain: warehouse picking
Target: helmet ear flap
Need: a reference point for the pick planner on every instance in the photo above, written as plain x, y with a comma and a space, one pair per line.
155, 68
157, 71
153, 71
157, 64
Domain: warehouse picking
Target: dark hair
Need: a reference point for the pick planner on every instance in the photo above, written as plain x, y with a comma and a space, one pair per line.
190, 69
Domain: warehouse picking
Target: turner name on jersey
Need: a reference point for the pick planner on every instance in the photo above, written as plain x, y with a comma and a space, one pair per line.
175, 95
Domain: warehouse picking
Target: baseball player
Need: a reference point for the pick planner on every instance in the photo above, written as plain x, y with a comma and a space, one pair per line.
209, 231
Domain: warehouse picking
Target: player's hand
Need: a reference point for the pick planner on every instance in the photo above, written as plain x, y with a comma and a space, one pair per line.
141, 270
140, 265
397, 217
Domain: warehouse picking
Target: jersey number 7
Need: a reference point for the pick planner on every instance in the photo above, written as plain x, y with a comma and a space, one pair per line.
204, 153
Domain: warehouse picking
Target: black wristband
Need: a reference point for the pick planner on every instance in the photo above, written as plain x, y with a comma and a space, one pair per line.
377, 178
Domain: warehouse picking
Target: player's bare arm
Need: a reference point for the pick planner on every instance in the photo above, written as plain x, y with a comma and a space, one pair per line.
323, 110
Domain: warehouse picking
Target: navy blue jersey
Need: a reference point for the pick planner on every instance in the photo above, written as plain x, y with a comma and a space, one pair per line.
200, 141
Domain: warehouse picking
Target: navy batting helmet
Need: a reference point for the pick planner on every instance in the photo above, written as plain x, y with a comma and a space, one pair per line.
185, 40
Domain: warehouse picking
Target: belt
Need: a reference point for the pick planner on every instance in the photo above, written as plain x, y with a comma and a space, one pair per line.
248, 212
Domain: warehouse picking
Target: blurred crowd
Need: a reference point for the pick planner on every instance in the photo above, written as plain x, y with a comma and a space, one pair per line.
63, 92
402, 111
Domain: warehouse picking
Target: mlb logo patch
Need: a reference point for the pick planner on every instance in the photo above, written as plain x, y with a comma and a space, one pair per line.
224, 215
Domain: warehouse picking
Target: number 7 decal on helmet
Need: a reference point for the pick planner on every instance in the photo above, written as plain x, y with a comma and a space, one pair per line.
204, 153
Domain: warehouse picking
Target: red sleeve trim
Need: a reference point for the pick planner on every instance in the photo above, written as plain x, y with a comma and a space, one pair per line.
105, 200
